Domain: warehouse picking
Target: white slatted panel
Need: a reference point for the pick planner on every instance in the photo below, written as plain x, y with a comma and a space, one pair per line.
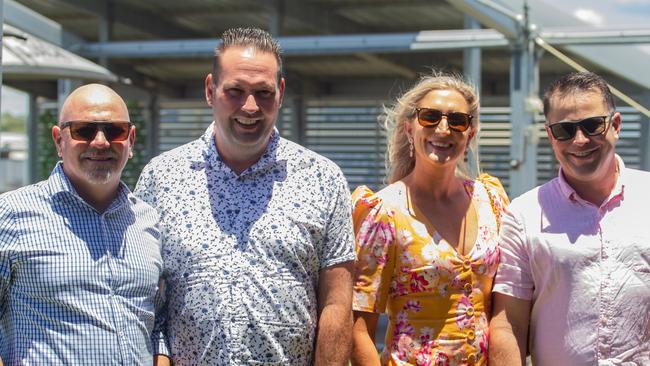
348, 133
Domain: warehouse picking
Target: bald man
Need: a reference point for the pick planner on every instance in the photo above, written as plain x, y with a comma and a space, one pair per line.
79, 254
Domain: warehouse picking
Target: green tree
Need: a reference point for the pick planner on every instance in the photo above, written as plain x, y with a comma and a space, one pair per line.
12, 123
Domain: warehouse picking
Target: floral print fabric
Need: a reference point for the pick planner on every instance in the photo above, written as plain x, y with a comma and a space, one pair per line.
437, 300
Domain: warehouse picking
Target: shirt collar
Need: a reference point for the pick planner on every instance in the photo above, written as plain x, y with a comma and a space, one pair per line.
59, 183
268, 160
617, 192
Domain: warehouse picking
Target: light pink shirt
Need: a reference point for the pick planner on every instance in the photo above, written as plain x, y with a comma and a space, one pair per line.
586, 270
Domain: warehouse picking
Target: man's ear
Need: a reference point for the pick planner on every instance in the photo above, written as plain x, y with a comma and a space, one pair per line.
209, 89
131, 141
56, 137
616, 122
281, 90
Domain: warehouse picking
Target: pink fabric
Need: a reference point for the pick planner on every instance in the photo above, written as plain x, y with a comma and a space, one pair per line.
586, 270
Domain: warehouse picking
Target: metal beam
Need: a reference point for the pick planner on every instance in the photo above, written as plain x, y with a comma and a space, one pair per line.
307, 45
599, 37
491, 15
136, 18
34, 23
354, 43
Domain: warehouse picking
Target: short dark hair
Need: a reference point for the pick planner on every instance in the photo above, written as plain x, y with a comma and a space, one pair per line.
579, 82
246, 37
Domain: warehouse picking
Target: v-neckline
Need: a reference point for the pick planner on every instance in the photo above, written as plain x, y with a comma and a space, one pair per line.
417, 214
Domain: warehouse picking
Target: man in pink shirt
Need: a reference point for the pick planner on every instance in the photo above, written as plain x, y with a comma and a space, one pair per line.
573, 286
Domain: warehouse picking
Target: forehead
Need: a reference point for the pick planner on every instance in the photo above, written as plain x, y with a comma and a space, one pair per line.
576, 106
94, 106
248, 63
445, 100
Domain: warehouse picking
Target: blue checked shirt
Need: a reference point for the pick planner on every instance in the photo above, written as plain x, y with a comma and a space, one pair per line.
76, 287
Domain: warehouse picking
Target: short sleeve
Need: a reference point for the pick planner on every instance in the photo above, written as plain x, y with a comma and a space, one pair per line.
338, 246
375, 237
513, 275
145, 189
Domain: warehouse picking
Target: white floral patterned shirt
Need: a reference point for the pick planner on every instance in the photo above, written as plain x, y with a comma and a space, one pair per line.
242, 253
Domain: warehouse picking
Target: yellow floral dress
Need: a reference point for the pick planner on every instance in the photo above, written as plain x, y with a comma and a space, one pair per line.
437, 300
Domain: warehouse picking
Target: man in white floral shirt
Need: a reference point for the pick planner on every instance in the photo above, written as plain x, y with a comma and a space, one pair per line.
258, 244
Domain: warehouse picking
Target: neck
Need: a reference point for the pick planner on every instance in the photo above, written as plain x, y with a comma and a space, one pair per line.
98, 197
238, 162
596, 191
438, 184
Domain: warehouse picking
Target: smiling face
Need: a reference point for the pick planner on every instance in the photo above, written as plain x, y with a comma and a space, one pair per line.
96, 164
245, 99
585, 159
439, 145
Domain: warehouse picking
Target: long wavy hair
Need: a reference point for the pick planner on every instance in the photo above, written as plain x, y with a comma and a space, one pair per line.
394, 117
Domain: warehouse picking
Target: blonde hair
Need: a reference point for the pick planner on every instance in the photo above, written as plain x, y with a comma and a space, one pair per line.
398, 162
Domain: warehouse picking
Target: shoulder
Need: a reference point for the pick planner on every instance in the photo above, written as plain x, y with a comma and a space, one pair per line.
494, 188
381, 203
530, 202
300, 157
183, 154
142, 208
24, 197
635, 176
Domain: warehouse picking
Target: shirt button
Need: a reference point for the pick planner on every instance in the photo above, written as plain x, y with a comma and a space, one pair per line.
467, 287
470, 311
471, 335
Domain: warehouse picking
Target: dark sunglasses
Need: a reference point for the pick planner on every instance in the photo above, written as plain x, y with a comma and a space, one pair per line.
457, 121
592, 126
87, 130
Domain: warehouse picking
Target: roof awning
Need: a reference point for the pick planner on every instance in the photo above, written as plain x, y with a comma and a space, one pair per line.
26, 57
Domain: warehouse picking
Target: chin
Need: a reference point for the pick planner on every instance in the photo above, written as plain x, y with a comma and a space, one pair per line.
100, 176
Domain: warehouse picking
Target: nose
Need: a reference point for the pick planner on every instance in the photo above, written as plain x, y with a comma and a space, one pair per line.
443, 126
580, 137
100, 141
250, 105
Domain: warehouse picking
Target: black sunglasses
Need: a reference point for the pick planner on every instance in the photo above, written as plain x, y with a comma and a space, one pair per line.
87, 130
457, 121
592, 126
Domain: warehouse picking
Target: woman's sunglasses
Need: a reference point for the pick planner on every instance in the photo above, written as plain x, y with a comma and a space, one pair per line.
457, 121
592, 126
87, 130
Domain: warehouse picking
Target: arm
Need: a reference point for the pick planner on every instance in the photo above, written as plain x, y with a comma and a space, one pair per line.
364, 352
509, 330
158, 360
333, 336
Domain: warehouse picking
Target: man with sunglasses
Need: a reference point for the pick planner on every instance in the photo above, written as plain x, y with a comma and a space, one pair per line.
258, 243
79, 254
573, 285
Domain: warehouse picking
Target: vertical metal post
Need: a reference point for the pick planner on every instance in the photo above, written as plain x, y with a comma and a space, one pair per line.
644, 139
2, 5
153, 126
524, 88
472, 57
32, 138
298, 119
472, 69
106, 29
277, 17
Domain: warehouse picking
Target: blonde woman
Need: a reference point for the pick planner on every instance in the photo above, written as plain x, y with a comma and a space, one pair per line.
427, 243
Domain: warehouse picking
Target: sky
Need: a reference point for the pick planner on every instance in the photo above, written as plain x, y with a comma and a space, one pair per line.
614, 13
